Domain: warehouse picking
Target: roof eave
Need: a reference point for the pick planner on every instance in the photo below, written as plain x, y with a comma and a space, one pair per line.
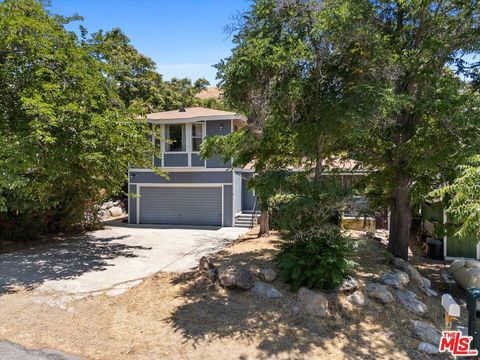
196, 119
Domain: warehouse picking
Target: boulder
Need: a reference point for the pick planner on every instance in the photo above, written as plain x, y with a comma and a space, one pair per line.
426, 332
107, 205
412, 273
430, 291
295, 309
427, 287
104, 214
357, 298
428, 348
231, 276
206, 263
313, 302
211, 275
267, 274
349, 284
410, 302
395, 279
115, 211
426, 282
379, 293
265, 290
466, 273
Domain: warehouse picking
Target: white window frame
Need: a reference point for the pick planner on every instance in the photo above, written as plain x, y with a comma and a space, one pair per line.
204, 134
186, 139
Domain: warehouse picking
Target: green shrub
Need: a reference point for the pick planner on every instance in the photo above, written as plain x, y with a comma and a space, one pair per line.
315, 259
316, 254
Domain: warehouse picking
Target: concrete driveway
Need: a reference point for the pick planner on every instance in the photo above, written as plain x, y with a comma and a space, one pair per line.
11, 351
110, 260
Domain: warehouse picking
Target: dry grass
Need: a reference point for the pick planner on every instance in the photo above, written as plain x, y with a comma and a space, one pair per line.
172, 316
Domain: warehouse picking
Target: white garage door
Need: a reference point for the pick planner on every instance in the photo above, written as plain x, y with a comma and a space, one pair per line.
181, 205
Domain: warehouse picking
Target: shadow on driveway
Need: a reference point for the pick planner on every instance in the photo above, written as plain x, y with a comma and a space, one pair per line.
62, 260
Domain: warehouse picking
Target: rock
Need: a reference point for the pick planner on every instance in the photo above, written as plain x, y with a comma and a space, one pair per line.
395, 279
426, 282
265, 290
295, 309
427, 288
426, 332
313, 302
235, 277
428, 348
430, 292
410, 302
212, 275
115, 211
357, 298
379, 293
106, 206
104, 214
413, 273
349, 284
206, 263
267, 274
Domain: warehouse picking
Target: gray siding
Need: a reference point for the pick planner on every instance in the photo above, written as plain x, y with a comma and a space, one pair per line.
181, 205
157, 161
201, 177
175, 160
237, 192
132, 205
248, 199
227, 205
197, 161
217, 162
218, 127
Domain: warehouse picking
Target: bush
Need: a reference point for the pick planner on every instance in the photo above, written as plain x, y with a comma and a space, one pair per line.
315, 259
316, 254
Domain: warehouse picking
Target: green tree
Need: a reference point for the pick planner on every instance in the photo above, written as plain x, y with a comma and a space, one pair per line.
424, 120
139, 85
182, 92
66, 134
282, 76
366, 80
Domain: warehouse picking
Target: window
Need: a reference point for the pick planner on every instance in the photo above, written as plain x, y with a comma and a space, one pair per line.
176, 137
197, 136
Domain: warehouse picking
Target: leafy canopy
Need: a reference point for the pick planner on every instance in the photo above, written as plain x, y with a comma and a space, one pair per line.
68, 117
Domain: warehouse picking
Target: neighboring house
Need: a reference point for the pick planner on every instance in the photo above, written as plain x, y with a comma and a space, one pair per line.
434, 215
198, 192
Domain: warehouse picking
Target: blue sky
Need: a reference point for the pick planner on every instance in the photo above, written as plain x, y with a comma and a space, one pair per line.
184, 37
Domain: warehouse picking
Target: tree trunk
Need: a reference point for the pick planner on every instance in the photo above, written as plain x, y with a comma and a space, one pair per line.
400, 221
263, 220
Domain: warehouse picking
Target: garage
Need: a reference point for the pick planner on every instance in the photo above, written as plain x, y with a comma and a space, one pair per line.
192, 205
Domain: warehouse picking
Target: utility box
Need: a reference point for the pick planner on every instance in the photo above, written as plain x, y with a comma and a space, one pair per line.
473, 306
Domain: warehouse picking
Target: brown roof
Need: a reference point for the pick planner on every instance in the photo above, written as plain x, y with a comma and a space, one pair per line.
210, 92
195, 114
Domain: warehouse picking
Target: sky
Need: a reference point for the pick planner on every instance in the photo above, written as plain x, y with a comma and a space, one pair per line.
184, 37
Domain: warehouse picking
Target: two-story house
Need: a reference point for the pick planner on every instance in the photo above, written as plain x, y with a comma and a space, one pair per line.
198, 192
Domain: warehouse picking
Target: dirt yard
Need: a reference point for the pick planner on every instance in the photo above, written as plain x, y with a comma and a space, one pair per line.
171, 316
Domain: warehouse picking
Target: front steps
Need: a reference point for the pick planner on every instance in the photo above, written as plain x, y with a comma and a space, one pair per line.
245, 219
